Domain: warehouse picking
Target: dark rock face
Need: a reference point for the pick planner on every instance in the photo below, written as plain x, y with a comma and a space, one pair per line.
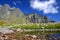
36, 18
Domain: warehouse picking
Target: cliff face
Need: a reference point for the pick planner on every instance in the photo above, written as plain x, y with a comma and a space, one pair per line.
17, 16
11, 14
36, 18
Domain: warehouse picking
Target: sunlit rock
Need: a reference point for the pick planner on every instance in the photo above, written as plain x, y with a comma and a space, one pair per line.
34, 36
6, 30
18, 29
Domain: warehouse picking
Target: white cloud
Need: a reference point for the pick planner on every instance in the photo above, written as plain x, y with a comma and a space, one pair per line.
14, 2
45, 6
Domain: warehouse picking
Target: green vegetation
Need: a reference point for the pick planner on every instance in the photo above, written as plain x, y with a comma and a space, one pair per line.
31, 25
39, 26
39, 32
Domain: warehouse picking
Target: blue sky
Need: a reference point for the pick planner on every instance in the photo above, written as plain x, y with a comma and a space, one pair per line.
30, 6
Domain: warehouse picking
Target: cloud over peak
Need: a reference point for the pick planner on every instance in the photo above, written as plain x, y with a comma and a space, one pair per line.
45, 6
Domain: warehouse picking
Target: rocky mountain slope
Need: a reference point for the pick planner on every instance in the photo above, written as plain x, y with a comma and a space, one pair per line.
15, 15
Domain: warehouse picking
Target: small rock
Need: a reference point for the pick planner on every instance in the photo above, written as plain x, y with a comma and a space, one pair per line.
18, 29
34, 36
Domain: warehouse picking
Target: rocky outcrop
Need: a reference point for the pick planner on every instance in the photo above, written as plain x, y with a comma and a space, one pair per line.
36, 18
11, 14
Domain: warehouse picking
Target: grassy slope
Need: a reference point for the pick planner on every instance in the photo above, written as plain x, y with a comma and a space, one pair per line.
33, 26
